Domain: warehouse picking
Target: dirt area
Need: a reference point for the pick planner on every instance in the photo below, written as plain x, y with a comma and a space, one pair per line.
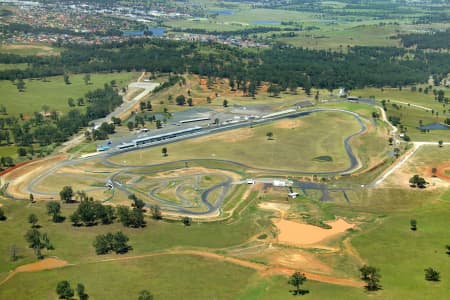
441, 172
19, 178
14, 47
195, 171
45, 264
299, 234
288, 124
238, 135
262, 269
299, 260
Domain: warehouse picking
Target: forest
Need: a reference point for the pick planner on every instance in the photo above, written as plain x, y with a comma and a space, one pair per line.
356, 67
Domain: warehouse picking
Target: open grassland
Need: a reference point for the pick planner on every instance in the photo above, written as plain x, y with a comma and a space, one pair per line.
402, 254
167, 277
4, 67
74, 244
54, 93
338, 37
289, 149
29, 49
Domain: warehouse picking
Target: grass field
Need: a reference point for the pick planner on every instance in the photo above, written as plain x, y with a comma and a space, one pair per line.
53, 93
289, 149
156, 274
29, 49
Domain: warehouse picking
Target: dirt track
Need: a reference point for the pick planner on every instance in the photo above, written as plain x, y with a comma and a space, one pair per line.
45, 264
54, 263
262, 269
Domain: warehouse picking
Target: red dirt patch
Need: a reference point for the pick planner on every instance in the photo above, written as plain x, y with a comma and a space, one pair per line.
441, 171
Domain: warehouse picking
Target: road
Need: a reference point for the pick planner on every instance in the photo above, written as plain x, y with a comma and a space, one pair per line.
399, 163
128, 105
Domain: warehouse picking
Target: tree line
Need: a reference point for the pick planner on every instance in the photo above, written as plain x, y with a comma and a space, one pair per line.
358, 67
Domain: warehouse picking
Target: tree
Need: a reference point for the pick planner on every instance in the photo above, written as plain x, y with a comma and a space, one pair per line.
433, 171
66, 194
156, 212
53, 209
371, 276
13, 253
432, 274
440, 143
413, 224
418, 181
269, 135
20, 85
189, 102
64, 290
145, 295
187, 221
81, 291
158, 124
447, 247
180, 100
66, 78
225, 103
130, 125
391, 140
116, 242
164, 151
33, 220
31, 198
87, 79
296, 280
2, 215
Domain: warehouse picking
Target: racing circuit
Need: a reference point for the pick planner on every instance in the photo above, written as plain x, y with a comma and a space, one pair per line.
196, 190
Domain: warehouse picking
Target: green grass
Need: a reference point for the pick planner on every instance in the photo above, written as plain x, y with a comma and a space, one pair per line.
74, 244
167, 277
53, 93
4, 67
289, 149
29, 49
409, 253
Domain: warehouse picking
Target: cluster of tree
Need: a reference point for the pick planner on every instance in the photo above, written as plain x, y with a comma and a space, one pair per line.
57, 129
130, 217
240, 32
54, 210
173, 79
371, 276
282, 64
38, 241
90, 212
2, 215
117, 242
435, 40
29, 29
417, 181
296, 280
64, 291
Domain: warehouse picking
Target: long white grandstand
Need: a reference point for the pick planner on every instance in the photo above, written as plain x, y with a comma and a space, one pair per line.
157, 138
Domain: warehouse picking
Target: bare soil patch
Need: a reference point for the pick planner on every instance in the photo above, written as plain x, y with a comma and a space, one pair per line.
237, 135
194, 171
299, 234
441, 171
288, 124
45, 264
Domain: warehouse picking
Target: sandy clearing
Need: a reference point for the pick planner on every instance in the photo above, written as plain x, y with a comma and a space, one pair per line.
295, 233
298, 259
